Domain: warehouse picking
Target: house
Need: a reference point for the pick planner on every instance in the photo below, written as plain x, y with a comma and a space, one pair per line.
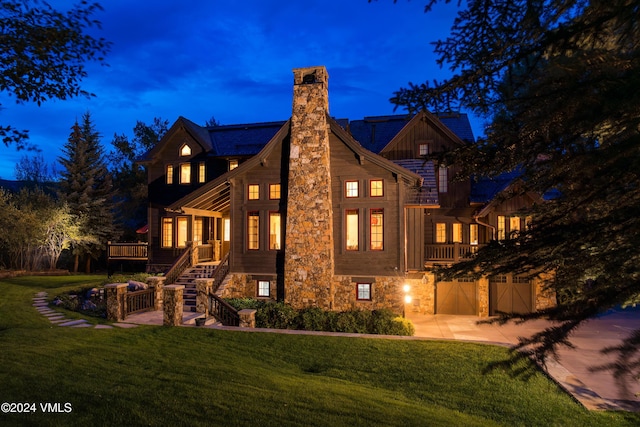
329, 213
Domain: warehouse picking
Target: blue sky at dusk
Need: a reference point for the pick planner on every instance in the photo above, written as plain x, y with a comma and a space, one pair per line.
233, 60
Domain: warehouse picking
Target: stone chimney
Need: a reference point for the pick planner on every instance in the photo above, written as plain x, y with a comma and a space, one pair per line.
309, 253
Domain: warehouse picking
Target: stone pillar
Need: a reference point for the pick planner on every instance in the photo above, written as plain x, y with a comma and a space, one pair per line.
483, 296
173, 305
247, 318
193, 252
116, 300
309, 257
203, 288
157, 283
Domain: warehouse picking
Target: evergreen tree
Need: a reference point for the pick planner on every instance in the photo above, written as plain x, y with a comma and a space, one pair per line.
558, 81
129, 177
86, 187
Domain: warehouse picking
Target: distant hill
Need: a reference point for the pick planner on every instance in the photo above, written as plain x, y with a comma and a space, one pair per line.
15, 186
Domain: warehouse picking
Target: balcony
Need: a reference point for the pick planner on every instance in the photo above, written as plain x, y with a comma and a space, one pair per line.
128, 251
449, 252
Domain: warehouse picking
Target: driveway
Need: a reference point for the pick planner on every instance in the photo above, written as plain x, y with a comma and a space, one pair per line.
574, 368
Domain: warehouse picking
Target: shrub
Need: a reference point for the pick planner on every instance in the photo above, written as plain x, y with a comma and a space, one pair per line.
276, 315
312, 319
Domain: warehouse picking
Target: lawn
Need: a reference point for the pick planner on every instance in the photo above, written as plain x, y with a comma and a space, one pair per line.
194, 376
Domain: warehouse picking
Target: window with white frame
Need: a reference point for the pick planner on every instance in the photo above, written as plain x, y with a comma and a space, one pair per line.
423, 149
351, 189
363, 291
264, 288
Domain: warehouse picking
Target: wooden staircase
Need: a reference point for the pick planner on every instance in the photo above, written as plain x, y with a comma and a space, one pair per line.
188, 279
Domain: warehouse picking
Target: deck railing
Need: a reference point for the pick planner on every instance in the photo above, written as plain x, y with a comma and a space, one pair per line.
128, 251
220, 272
205, 252
450, 252
138, 301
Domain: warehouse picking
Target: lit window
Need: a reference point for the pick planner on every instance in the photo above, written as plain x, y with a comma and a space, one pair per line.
364, 291
274, 191
423, 149
233, 164
514, 225
202, 176
185, 173
275, 233
253, 192
377, 234
226, 229
169, 174
376, 188
185, 150
473, 234
443, 177
441, 232
264, 288
167, 232
502, 228
457, 232
352, 230
197, 230
183, 223
253, 227
351, 189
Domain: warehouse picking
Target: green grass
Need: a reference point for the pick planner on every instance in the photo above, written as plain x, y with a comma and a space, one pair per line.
195, 376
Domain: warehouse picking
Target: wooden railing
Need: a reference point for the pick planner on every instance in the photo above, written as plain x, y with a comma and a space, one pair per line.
128, 251
205, 252
220, 272
138, 301
179, 266
222, 311
450, 252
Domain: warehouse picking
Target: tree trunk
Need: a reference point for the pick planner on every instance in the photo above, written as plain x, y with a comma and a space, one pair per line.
76, 261
87, 266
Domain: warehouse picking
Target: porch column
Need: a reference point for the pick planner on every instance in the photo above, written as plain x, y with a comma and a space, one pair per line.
203, 288
173, 305
116, 299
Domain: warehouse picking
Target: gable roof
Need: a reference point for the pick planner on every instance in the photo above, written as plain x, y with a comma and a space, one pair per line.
376, 132
198, 133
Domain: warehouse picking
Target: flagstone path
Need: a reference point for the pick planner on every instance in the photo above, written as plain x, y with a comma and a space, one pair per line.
59, 319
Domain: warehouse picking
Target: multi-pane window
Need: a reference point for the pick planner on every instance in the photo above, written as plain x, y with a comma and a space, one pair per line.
185, 150
377, 232
473, 234
502, 227
457, 232
275, 231
253, 230
351, 189
197, 230
233, 164
183, 223
514, 225
423, 149
167, 232
202, 175
443, 176
264, 288
253, 192
352, 229
185, 173
169, 174
363, 291
376, 188
274, 191
441, 232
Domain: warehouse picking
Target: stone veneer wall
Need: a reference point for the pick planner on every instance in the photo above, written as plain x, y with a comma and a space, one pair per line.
386, 292
309, 257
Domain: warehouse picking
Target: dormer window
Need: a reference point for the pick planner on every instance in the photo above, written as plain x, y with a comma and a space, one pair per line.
185, 150
233, 164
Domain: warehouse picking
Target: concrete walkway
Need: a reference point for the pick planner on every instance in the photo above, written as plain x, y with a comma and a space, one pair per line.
573, 371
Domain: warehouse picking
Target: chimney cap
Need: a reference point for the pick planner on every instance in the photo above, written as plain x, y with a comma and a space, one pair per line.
310, 75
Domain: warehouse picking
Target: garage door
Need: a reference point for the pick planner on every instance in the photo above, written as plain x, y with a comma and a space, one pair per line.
508, 294
457, 297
